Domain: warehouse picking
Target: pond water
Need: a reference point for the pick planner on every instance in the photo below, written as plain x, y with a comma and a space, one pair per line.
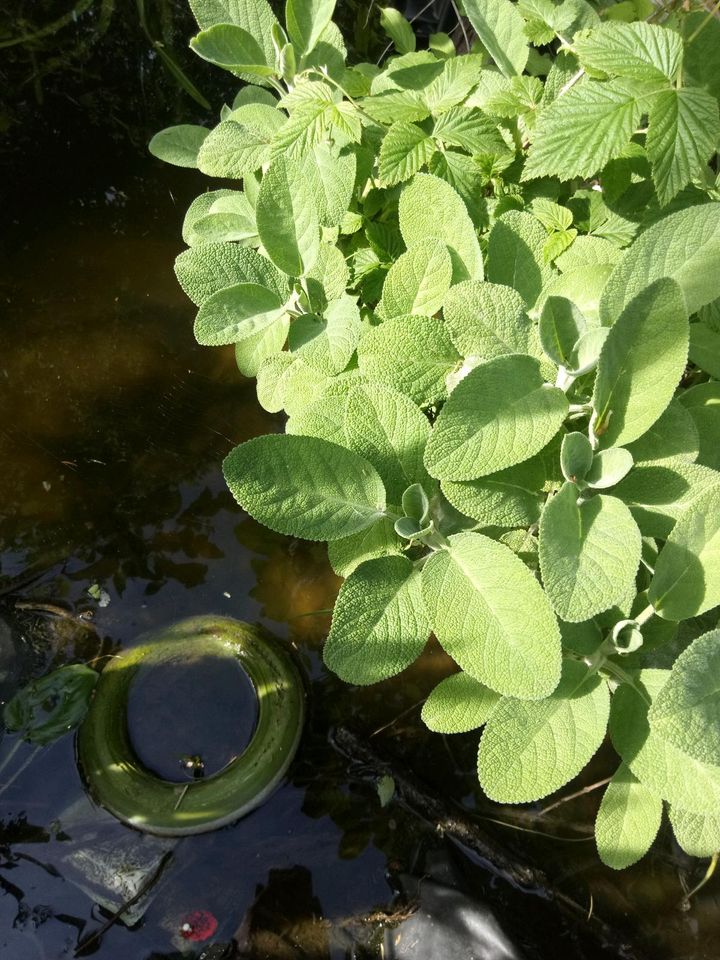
113, 426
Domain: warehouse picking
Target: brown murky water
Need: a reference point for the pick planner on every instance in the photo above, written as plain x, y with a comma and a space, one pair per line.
113, 423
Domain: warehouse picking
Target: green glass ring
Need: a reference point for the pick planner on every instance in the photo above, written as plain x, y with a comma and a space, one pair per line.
119, 782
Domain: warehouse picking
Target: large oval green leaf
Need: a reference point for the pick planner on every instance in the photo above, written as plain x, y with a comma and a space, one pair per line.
304, 486
589, 553
490, 614
235, 313
687, 574
501, 414
529, 750
379, 624
287, 218
641, 363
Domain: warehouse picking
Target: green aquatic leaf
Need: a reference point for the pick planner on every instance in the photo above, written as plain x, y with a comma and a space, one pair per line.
287, 218
490, 614
458, 704
529, 750
47, 708
304, 487
379, 624
628, 820
501, 414
179, 145
589, 553
417, 282
686, 712
641, 363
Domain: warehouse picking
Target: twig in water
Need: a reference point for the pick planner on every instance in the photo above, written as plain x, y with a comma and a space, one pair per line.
573, 796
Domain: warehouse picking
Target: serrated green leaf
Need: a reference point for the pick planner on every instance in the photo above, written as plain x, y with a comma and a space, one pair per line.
685, 246
508, 498
304, 487
390, 432
228, 45
529, 750
639, 51
404, 150
306, 20
459, 75
628, 820
702, 404
577, 134
697, 834
205, 269
377, 540
379, 625
686, 712
683, 129
430, 208
499, 415
287, 218
458, 704
398, 29
658, 494
673, 775
470, 129
179, 145
412, 354
490, 614
487, 319
417, 282
311, 115
501, 31
641, 363
687, 574
589, 553
237, 312
392, 105
515, 255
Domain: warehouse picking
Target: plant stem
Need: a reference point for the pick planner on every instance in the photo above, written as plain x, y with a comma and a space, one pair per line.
573, 796
705, 22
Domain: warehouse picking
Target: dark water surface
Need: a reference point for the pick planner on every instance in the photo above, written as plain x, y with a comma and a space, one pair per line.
113, 423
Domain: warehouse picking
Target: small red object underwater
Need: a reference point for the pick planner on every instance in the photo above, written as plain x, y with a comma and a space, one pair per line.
198, 925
